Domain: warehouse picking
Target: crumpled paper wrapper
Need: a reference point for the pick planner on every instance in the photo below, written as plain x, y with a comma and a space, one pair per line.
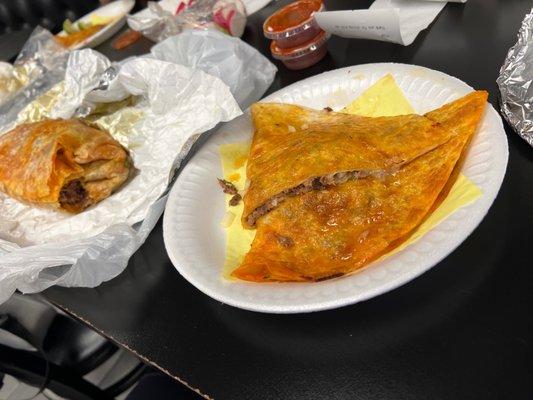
156, 109
396, 21
516, 82
244, 69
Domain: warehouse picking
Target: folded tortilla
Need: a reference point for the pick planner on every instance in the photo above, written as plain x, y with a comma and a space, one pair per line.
330, 232
297, 149
62, 164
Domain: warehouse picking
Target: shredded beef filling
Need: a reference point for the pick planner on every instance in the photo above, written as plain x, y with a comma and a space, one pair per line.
318, 183
227, 187
235, 200
73, 193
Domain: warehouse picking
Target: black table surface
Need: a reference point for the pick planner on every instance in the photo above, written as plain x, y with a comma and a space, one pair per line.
462, 330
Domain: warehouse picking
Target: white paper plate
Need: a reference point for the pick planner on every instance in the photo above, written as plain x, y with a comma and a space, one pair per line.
195, 241
118, 10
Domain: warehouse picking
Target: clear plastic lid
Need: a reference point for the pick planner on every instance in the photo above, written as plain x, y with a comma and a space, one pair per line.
292, 20
299, 51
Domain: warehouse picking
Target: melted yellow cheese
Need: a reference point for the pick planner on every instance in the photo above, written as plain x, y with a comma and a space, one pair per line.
383, 99
238, 239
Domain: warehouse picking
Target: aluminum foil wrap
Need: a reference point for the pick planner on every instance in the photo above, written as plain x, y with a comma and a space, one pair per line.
156, 109
40, 65
516, 82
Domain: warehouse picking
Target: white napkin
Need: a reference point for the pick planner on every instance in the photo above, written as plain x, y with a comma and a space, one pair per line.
396, 21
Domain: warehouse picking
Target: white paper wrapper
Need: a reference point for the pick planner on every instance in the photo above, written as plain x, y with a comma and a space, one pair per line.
396, 21
246, 71
173, 105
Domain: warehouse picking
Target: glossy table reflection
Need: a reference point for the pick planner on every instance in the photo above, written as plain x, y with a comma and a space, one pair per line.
462, 330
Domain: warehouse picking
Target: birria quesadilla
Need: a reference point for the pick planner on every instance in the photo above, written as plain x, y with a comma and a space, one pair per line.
313, 223
296, 149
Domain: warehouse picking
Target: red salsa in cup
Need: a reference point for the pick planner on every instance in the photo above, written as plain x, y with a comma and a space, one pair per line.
293, 24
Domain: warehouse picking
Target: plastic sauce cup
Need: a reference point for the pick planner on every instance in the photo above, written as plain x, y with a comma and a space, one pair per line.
304, 55
294, 24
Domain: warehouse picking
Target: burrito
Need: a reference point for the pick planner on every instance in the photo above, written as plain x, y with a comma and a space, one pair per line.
335, 230
63, 164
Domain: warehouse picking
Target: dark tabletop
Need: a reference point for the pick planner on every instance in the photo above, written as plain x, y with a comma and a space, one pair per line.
463, 330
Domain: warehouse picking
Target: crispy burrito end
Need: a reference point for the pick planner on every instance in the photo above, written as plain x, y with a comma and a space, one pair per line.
62, 164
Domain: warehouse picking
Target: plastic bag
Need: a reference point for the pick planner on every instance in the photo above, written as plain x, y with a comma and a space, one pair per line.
157, 24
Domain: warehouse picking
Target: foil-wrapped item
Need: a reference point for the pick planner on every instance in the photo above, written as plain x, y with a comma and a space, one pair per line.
516, 82
40, 64
9, 81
